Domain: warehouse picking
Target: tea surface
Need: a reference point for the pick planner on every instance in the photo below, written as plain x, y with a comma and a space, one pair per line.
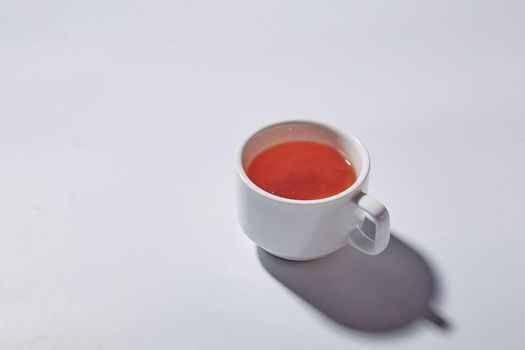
302, 170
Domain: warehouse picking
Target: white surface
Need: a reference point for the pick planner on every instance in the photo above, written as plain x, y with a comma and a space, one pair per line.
118, 127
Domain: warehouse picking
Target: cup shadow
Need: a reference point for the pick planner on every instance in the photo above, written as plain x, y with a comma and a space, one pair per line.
374, 294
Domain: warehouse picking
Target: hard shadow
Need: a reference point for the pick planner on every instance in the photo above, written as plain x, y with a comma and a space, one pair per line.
375, 294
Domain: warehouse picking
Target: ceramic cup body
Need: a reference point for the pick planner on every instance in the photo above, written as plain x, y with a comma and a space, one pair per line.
309, 229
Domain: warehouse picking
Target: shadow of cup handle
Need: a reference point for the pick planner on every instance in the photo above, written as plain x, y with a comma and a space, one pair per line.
436, 319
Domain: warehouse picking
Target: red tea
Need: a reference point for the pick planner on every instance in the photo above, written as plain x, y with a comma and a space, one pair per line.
302, 170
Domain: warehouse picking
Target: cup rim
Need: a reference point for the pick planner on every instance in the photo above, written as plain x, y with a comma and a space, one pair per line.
363, 174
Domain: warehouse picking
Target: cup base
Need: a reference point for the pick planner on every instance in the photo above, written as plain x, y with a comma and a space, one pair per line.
294, 258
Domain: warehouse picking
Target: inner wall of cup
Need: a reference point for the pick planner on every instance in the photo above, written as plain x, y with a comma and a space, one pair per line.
302, 131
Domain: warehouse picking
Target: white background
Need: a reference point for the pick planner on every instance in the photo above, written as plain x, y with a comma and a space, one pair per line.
119, 122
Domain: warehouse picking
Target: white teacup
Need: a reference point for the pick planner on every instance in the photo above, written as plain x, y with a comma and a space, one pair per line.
308, 229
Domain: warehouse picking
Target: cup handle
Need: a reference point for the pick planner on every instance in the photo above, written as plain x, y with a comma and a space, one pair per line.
380, 217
